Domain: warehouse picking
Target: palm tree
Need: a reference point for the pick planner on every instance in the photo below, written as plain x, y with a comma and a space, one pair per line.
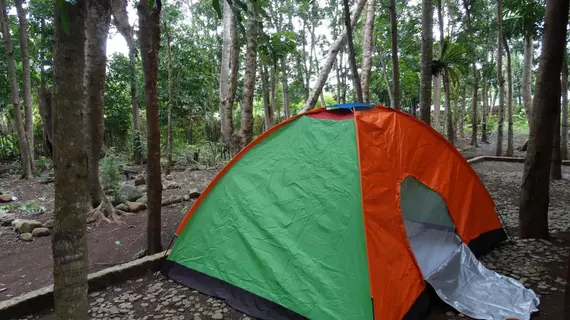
452, 64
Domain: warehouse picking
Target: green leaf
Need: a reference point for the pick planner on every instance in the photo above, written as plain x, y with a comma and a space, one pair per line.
64, 16
217, 7
150, 4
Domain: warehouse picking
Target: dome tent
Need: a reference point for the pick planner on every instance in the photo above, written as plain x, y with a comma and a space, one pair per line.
346, 213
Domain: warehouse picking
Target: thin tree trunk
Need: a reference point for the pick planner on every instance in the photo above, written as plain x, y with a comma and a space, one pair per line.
69, 241
273, 83
228, 128
501, 81
171, 102
436, 101
149, 35
12, 77
285, 89
462, 113
449, 114
564, 137
367, 50
351, 53
396, 91
527, 74
225, 62
27, 87
456, 111
510, 147
426, 61
267, 107
97, 28
333, 51
485, 101
535, 191
468, 7
121, 21
556, 166
245, 133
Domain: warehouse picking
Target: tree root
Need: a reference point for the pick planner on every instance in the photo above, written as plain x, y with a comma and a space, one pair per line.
105, 212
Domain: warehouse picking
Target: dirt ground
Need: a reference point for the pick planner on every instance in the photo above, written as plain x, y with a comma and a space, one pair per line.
27, 266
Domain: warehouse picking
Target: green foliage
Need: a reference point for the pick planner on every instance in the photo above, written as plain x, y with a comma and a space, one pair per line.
31, 207
110, 171
118, 107
9, 147
43, 164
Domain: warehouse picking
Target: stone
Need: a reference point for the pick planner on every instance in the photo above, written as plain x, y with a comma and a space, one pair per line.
142, 199
135, 206
49, 224
26, 226
129, 192
122, 207
186, 197
6, 197
6, 218
170, 185
26, 237
114, 310
218, 316
449, 313
194, 194
41, 232
140, 180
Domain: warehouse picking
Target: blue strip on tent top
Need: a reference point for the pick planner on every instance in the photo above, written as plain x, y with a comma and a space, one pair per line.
350, 105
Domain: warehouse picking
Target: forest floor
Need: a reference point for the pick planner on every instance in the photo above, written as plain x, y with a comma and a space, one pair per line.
25, 266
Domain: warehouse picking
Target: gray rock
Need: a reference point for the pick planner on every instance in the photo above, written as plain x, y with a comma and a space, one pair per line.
142, 199
218, 316
122, 207
140, 180
129, 192
49, 224
41, 232
194, 194
26, 226
6, 218
166, 185
135, 206
114, 310
26, 237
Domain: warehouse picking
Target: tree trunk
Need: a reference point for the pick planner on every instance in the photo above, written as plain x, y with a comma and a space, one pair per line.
333, 51
449, 114
462, 113
556, 166
456, 111
535, 191
396, 91
69, 241
121, 21
267, 107
274, 108
149, 35
97, 27
468, 7
367, 49
510, 147
225, 63
171, 102
45, 108
12, 77
564, 135
245, 133
485, 101
500, 80
426, 60
527, 75
351, 53
228, 127
27, 87
436, 101
285, 89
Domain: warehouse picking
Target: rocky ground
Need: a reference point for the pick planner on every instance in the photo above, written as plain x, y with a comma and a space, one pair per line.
539, 265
